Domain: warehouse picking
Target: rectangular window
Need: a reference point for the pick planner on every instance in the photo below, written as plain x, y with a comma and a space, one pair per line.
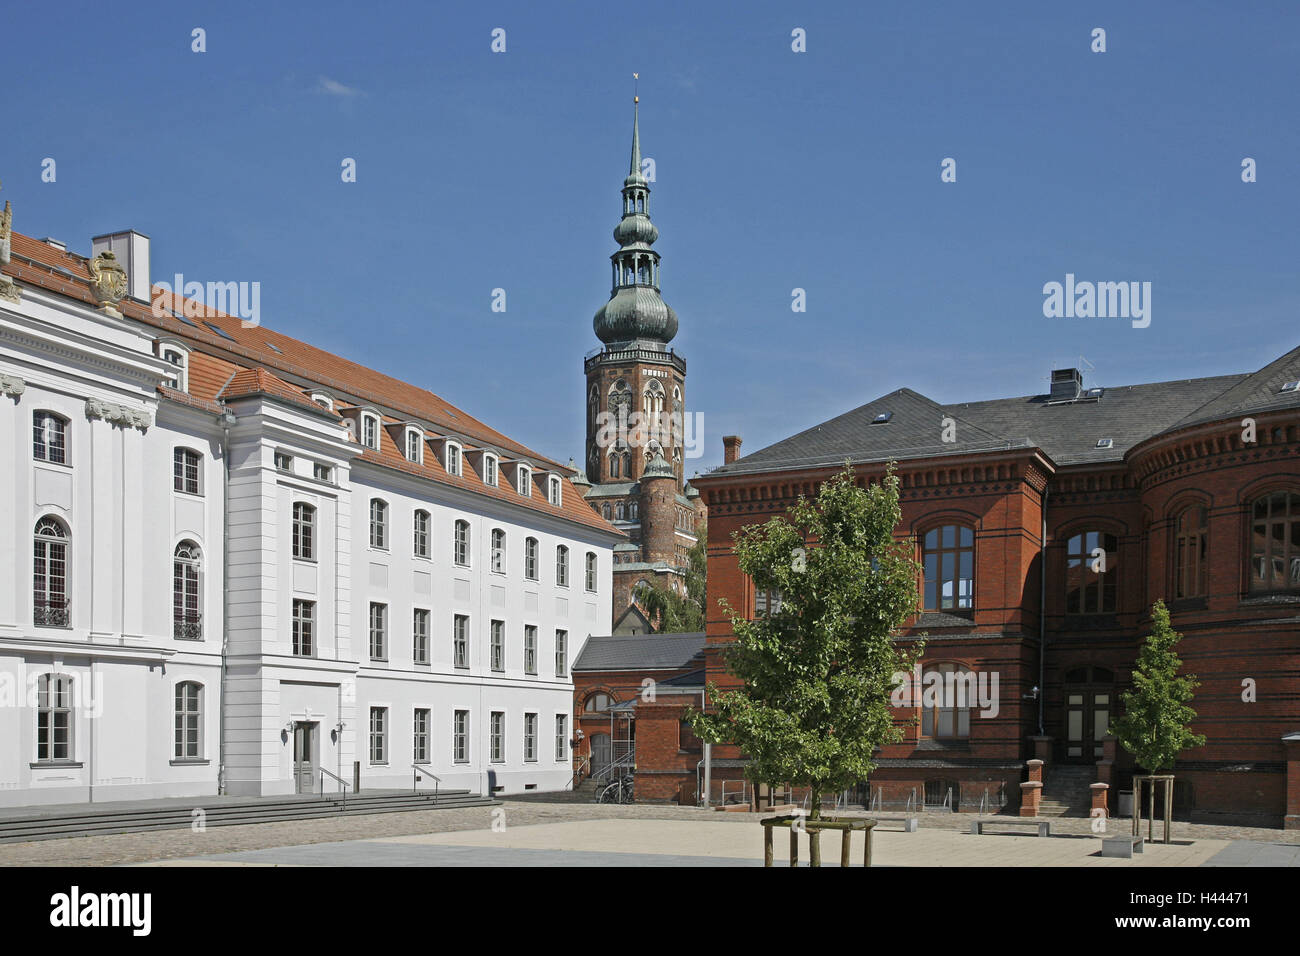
530, 559
420, 636
498, 645
49, 438
185, 471
561, 653
54, 717
304, 644
413, 446
498, 737
561, 736
453, 460
530, 649
525, 481
591, 571
378, 632
188, 721
322, 472
304, 531
421, 530
562, 567
460, 737
370, 431
460, 641
530, 738
283, 462
378, 735
420, 737
490, 470
553, 490
460, 547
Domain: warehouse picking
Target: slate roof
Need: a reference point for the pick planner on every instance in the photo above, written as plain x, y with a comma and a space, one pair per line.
1066, 432
639, 652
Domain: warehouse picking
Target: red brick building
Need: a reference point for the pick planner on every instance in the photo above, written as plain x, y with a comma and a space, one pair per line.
629, 695
1047, 525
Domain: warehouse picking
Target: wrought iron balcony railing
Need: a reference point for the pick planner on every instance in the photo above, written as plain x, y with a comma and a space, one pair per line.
188, 627
51, 613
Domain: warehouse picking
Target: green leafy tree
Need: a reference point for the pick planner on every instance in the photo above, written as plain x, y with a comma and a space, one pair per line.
1156, 712
818, 670
670, 610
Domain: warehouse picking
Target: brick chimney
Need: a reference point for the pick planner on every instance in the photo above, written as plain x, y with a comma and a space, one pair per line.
730, 448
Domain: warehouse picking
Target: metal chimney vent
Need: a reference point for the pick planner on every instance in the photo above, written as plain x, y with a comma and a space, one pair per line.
1067, 385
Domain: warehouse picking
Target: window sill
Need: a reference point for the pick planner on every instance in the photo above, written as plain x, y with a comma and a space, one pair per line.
56, 765
187, 494
1267, 599
190, 762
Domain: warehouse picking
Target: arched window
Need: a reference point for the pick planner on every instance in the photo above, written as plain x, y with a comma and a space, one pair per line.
627, 464
530, 559
415, 445
378, 524
50, 438
53, 718
948, 557
498, 551
597, 703
186, 471
947, 693
370, 431
189, 720
604, 511
591, 571
620, 511
187, 612
490, 470
613, 466
1190, 549
562, 566
632, 511
525, 481
1090, 573
421, 529
1275, 543
304, 531
460, 544
453, 459
50, 574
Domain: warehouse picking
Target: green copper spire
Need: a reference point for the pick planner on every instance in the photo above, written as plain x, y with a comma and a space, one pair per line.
635, 314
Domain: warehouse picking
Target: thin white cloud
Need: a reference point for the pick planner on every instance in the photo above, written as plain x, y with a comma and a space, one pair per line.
335, 88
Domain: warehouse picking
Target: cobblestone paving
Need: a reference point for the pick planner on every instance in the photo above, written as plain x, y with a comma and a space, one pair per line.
178, 844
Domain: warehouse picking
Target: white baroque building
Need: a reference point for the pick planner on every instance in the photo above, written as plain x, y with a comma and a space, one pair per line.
232, 562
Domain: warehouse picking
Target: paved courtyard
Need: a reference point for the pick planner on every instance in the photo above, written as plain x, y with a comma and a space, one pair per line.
541, 834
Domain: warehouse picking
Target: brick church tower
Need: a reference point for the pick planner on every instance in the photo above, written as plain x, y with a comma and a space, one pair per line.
636, 412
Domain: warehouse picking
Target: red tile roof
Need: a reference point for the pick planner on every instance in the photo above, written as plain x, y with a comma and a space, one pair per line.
256, 360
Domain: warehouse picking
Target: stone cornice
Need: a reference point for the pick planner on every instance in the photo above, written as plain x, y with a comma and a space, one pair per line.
118, 414
12, 386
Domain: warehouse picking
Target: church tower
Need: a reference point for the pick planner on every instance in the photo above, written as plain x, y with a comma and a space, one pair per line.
636, 410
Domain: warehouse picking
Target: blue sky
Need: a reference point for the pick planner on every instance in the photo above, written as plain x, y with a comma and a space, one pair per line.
775, 170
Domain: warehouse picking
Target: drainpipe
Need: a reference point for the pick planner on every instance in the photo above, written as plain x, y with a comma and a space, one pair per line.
1042, 617
226, 419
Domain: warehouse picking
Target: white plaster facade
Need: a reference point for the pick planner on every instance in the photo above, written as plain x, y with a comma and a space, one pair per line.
115, 497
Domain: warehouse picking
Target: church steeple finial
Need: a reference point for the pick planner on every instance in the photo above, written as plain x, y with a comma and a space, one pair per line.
635, 312
635, 169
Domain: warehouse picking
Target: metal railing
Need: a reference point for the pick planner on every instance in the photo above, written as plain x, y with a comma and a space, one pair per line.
343, 784
583, 768
187, 627
418, 769
620, 765
53, 613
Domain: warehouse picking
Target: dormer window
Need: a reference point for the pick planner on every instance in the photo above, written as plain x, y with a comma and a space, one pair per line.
453, 457
323, 400
553, 490
178, 358
524, 481
491, 466
414, 445
370, 431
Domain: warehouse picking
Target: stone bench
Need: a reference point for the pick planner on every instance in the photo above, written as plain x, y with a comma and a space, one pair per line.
910, 824
1044, 826
1123, 845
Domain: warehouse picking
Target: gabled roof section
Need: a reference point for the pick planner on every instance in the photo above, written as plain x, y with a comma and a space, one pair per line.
1260, 392
249, 382
1066, 432
639, 652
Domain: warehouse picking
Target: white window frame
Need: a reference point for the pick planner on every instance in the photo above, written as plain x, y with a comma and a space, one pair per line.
422, 538
590, 569
497, 737
379, 736
45, 446
420, 617
421, 718
185, 457
562, 566
561, 652
460, 736
554, 490
530, 650
283, 462
497, 632
187, 722
460, 544
303, 635
302, 531
454, 458
182, 381
460, 641
322, 472
524, 481
497, 543
414, 445
323, 399
530, 738
378, 630
561, 737
370, 426
492, 470
55, 699
532, 550
379, 524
